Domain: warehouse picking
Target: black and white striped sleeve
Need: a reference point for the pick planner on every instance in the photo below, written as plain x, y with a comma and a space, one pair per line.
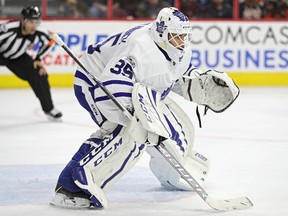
7, 30
9, 43
46, 43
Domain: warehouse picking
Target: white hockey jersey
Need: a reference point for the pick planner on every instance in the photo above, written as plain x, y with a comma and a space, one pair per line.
122, 60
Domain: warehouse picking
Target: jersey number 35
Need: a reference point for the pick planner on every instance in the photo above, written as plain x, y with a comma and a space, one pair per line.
124, 68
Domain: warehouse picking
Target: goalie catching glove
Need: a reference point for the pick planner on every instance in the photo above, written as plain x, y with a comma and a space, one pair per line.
212, 89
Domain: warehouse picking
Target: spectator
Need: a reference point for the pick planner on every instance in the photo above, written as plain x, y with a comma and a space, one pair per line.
202, 8
128, 6
99, 9
150, 8
190, 8
96, 8
118, 11
274, 10
250, 9
284, 7
219, 9
69, 9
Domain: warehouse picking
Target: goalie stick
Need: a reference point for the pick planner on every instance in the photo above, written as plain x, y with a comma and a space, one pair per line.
217, 204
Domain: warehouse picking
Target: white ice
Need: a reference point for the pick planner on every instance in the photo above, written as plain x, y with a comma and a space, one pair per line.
247, 146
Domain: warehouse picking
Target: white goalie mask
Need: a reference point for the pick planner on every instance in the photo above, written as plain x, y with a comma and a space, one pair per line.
172, 32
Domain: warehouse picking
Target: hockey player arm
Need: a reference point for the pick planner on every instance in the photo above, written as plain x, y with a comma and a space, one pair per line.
46, 43
118, 77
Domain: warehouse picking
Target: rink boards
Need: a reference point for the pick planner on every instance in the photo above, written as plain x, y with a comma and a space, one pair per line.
253, 53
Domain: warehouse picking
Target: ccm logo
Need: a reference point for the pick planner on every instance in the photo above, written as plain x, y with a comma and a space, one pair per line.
102, 152
201, 156
107, 153
144, 108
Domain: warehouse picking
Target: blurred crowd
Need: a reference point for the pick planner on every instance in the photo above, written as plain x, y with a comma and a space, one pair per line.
133, 9
248, 9
120, 8
263, 9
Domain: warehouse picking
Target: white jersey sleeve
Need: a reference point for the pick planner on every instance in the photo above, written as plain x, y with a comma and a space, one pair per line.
118, 77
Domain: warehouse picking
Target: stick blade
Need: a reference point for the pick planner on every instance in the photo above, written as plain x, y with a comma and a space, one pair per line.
229, 204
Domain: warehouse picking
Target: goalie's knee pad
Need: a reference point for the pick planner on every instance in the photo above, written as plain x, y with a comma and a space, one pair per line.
180, 145
196, 165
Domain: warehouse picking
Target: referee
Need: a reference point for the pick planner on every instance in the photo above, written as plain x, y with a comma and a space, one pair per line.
16, 37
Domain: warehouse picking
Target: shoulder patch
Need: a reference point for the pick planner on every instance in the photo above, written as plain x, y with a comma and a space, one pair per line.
3, 27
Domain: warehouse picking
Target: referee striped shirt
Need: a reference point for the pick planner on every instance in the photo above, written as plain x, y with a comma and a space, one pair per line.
13, 43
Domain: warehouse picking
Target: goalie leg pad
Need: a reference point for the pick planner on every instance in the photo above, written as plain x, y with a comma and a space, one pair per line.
65, 178
83, 179
180, 145
105, 165
169, 177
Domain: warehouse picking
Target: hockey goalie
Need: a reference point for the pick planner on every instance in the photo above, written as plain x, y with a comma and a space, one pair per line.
140, 66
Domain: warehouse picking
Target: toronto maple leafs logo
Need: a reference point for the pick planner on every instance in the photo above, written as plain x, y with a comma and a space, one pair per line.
180, 15
160, 27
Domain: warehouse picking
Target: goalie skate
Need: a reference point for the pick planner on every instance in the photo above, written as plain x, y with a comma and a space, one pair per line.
66, 199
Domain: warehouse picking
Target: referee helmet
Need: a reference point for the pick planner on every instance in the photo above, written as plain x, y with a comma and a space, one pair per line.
31, 12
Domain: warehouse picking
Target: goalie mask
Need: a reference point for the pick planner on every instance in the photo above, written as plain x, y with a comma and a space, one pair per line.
172, 32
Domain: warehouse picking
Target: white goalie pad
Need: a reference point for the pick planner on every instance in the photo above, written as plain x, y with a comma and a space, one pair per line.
167, 119
128, 145
106, 164
180, 145
195, 163
213, 89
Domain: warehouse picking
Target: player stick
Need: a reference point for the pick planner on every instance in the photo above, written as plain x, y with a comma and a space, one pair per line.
217, 204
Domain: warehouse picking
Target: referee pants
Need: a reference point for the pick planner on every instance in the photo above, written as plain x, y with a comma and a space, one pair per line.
23, 68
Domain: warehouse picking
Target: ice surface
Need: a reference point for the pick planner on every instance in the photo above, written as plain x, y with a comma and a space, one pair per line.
247, 146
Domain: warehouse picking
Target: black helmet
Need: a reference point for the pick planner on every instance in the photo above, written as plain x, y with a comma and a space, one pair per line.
31, 12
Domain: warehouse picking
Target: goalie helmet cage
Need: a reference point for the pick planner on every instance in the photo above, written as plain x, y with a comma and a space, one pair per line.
217, 204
